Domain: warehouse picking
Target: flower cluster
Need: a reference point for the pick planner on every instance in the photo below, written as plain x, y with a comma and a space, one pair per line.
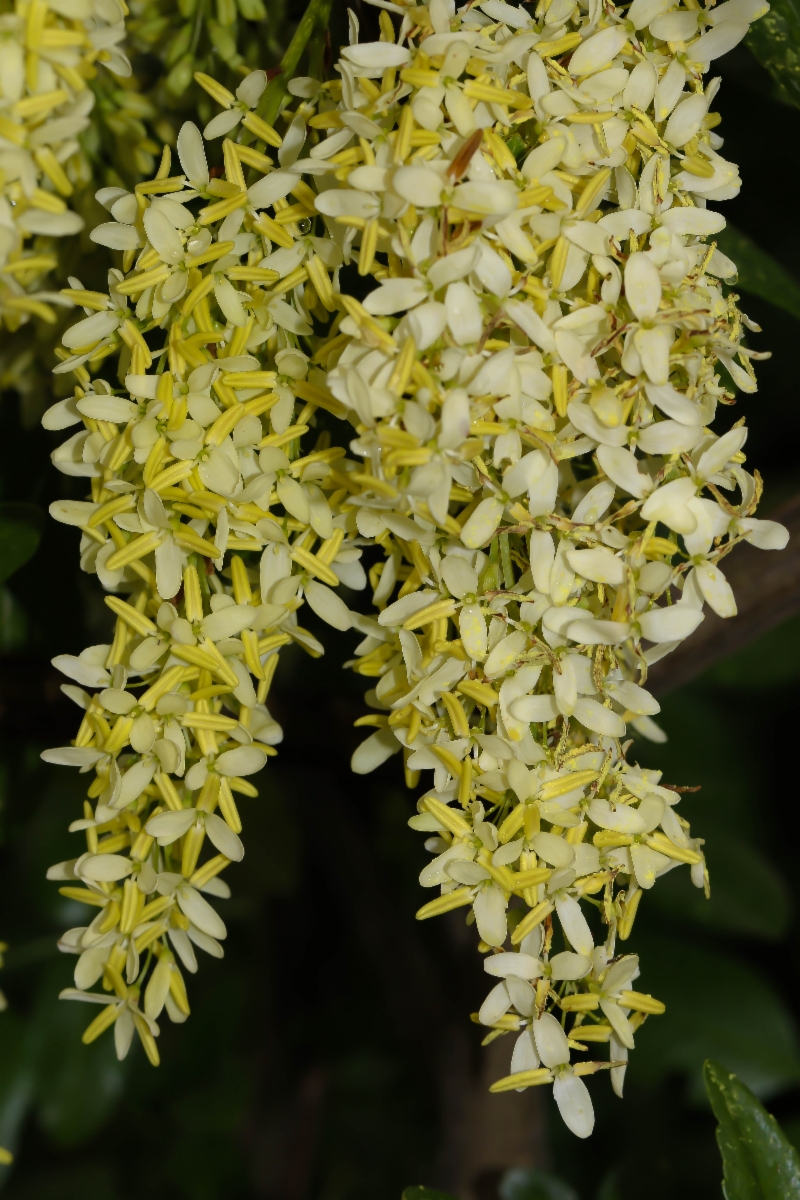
532, 385
208, 528
71, 128
48, 53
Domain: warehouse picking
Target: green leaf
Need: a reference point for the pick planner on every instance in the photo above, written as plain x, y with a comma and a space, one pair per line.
423, 1193
314, 22
13, 622
702, 989
528, 1183
758, 272
20, 533
791, 1128
17, 1079
758, 1162
78, 1086
763, 910
774, 39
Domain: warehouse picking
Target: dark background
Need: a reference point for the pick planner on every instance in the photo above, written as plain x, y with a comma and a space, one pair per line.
325, 1056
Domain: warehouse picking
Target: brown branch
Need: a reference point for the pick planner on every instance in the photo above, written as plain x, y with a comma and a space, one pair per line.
485, 1135
766, 585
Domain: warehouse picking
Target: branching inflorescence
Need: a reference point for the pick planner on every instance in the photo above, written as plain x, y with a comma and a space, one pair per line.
531, 384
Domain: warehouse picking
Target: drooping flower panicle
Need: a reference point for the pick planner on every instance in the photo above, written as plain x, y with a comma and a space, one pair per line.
531, 374
532, 384
208, 528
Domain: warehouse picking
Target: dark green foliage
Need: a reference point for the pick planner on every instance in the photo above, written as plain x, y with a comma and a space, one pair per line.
20, 533
759, 273
758, 1161
775, 41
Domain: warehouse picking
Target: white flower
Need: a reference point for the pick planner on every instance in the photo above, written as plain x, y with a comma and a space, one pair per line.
248, 94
